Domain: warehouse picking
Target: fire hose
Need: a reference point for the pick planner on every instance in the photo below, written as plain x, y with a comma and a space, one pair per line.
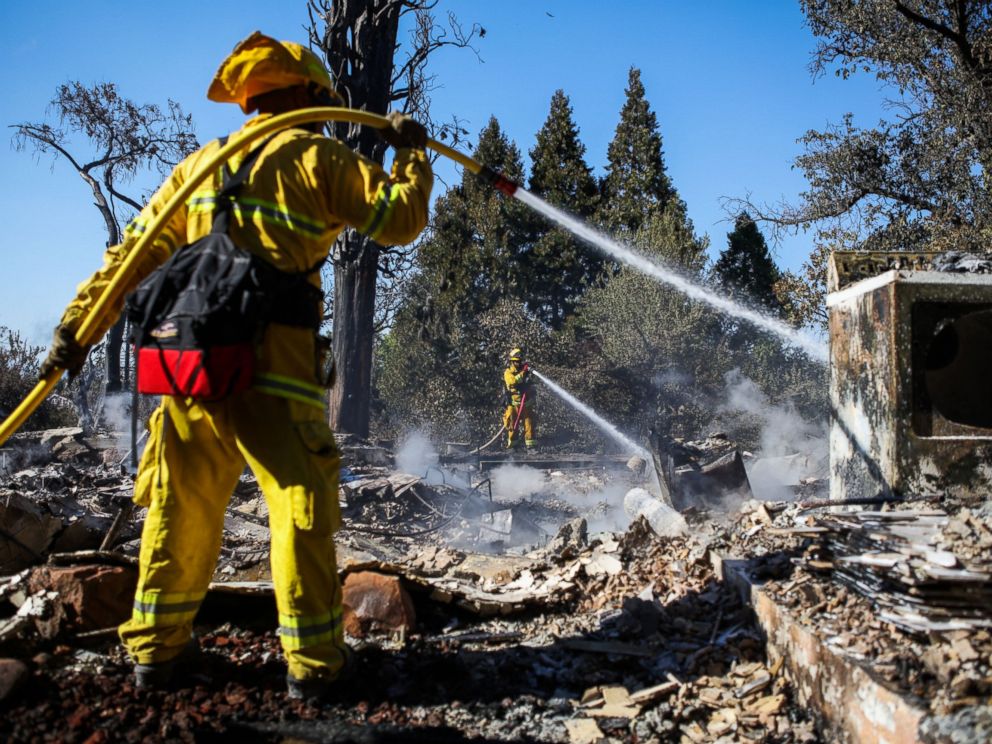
119, 284
520, 412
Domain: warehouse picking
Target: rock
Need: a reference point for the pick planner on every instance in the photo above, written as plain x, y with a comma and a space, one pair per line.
375, 602
113, 457
79, 451
572, 537
50, 436
636, 465
89, 597
27, 532
12, 675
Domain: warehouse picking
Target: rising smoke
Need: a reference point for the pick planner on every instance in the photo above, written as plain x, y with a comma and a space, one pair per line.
417, 456
595, 497
790, 446
514, 482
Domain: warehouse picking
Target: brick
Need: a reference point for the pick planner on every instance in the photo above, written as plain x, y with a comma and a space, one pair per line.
376, 603
90, 597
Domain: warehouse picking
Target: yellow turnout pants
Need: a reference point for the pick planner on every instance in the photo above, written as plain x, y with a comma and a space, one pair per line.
526, 424
195, 455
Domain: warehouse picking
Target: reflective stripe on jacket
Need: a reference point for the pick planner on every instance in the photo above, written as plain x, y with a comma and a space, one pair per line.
515, 384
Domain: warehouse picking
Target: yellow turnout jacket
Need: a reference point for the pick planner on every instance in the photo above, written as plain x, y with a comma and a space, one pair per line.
302, 192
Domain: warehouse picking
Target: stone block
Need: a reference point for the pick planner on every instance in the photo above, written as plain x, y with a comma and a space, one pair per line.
376, 603
89, 597
12, 675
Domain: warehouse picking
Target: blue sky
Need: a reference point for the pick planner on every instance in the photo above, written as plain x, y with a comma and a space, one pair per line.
728, 80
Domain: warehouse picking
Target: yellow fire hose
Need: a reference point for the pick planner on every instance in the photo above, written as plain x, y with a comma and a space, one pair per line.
87, 329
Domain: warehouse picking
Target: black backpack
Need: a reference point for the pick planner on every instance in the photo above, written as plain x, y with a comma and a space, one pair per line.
197, 319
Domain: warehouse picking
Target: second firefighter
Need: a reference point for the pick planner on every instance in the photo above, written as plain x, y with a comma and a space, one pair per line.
519, 416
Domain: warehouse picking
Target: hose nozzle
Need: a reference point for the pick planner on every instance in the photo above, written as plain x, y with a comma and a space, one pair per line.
497, 180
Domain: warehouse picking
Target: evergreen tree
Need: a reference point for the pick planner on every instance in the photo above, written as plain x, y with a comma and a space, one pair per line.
471, 256
745, 267
559, 267
636, 182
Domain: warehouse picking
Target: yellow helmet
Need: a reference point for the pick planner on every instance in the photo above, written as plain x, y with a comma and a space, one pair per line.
516, 354
260, 64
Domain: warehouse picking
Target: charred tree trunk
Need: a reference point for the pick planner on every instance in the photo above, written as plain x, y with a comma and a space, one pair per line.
354, 308
359, 41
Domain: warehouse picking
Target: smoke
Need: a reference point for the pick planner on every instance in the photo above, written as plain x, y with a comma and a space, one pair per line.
790, 447
596, 497
514, 482
417, 456
116, 415
602, 507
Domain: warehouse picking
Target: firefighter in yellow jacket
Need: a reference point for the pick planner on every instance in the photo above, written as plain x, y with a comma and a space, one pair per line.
301, 193
519, 414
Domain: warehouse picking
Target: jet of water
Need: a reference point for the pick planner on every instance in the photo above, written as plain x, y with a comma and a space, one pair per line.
816, 349
589, 413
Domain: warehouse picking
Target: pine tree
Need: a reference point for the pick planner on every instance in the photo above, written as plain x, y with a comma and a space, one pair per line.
745, 267
471, 256
558, 267
644, 351
636, 182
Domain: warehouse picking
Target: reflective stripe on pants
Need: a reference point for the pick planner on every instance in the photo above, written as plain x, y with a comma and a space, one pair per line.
195, 454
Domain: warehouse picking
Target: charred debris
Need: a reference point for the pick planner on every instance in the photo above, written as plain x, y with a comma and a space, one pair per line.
516, 602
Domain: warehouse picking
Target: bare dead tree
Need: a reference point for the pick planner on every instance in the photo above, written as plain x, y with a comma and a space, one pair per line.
375, 71
921, 178
119, 139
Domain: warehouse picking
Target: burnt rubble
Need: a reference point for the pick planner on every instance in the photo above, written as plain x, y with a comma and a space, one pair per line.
899, 593
481, 608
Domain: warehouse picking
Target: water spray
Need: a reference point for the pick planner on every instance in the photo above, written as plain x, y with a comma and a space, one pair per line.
624, 441
653, 268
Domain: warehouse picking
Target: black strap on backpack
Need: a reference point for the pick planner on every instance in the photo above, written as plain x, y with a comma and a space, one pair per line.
295, 301
230, 186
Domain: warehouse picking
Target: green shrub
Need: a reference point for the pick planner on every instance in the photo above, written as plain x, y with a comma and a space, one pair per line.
19, 363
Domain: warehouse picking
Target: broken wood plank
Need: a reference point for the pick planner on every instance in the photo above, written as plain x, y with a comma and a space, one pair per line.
650, 694
584, 731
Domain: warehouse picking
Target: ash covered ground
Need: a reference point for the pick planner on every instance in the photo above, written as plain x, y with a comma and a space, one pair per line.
519, 604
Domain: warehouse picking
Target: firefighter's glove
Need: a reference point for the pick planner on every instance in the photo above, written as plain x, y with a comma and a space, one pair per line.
66, 353
404, 132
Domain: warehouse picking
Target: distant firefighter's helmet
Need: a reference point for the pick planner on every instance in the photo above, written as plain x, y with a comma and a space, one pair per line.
516, 354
